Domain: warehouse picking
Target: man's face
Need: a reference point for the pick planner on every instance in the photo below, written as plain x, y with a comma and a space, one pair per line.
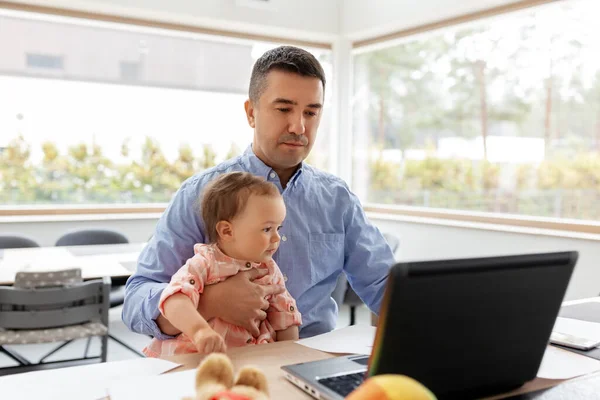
286, 118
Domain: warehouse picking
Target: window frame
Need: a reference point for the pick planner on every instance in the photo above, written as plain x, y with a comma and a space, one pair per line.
500, 221
343, 50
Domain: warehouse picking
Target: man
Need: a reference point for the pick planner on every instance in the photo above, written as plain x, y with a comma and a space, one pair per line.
324, 234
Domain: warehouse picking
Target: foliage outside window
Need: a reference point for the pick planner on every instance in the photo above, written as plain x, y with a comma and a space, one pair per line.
501, 115
129, 115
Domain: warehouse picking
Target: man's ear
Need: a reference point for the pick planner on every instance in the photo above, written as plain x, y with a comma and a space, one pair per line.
225, 230
249, 107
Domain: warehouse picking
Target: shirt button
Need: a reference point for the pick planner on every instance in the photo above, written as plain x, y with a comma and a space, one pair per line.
192, 281
284, 238
248, 265
285, 278
272, 175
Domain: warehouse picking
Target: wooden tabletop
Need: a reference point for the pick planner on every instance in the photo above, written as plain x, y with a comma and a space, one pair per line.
270, 357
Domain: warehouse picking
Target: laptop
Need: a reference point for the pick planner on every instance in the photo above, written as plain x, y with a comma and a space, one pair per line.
464, 328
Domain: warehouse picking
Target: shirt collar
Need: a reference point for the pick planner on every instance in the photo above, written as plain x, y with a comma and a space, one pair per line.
257, 167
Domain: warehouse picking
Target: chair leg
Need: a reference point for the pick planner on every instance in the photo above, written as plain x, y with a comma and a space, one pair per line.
352, 315
15, 356
127, 346
104, 348
87, 346
54, 351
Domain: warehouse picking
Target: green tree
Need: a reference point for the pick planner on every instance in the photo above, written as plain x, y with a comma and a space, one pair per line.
208, 159
16, 173
480, 59
56, 185
234, 151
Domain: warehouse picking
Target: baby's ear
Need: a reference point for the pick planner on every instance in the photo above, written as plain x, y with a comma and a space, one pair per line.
254, 378
224, 230
214, 375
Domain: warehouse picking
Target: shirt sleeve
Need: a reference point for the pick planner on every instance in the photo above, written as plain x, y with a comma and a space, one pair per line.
367, 256
178, 229
283, 311
189, 280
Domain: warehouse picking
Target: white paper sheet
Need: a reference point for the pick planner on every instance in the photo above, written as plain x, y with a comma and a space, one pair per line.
354, 339
87, 382
575, 327
96, 267
46, 261
112, 258
562, 364
175, 385
38, 259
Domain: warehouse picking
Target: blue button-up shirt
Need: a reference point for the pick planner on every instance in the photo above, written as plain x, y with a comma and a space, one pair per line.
324, 233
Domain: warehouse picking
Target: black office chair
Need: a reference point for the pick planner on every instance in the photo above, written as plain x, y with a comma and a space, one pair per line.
91, 237
16, 242
344, 294
95, 237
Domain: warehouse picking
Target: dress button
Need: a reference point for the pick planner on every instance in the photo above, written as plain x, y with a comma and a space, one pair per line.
284, 238
192, 281
272, 175
248, 265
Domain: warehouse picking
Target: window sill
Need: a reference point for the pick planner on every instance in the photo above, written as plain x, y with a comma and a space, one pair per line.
573, 229
587, 230
80, 213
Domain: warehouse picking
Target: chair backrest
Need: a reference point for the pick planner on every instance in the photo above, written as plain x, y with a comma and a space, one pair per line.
91, 237
44, 308
392, 241
16, 242
31, 280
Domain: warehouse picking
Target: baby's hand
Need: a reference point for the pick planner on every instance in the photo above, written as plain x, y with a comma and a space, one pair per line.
208, 341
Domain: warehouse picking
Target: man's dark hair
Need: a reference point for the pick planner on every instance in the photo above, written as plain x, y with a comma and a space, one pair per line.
283, 58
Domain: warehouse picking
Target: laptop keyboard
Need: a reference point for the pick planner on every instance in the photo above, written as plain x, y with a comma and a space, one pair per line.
343, 384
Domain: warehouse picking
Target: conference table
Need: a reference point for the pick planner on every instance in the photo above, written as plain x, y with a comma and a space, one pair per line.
117, 261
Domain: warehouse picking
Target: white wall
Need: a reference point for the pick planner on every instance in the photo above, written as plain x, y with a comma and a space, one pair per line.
47, 230
366, 19
419, 241
306, 19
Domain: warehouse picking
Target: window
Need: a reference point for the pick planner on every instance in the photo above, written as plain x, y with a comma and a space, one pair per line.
130, 71
44, 61
134, 112
501, 115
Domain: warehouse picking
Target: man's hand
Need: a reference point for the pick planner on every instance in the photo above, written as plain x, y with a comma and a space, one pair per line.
238, 300
208, 341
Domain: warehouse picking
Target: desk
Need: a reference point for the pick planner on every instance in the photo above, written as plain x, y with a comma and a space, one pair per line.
117, 261
270, 357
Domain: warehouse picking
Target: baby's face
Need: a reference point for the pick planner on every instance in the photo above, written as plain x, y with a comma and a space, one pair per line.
255, 230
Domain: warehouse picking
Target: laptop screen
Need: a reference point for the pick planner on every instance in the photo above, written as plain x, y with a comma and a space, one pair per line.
464, 325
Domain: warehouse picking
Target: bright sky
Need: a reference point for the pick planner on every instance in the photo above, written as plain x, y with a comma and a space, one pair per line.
73, 112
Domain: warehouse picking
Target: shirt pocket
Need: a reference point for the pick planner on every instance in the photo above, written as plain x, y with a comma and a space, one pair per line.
326, 255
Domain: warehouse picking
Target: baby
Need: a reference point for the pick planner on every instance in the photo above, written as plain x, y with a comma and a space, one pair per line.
242, 215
